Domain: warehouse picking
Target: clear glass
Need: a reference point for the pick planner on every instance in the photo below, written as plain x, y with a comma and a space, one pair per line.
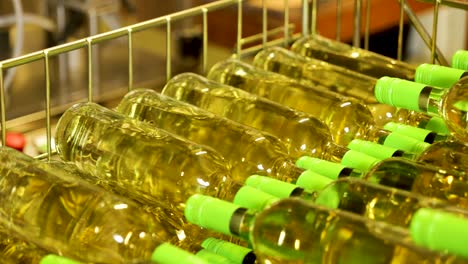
295, 231
141, 162
302, 133
248, 150
353, 58
44, 204
450, 155
14, 250
454, 109
346, 117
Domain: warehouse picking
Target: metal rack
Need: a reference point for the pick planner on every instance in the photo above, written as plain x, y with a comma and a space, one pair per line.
309, 27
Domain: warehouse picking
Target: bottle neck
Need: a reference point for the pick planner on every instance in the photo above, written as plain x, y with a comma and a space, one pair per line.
241, 223
376, 134
334, 152
287, 171
430, 99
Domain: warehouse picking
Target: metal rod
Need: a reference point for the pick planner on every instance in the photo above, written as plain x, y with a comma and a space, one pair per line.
130, 59
418, 26
255, 49
239, 28
264, 24
357, 23
205, 41
305, 18
400, 31
168, 49
313, 19
286, 23
90, 70
47, 105
339, 13
2, 106
367, 25
434, 31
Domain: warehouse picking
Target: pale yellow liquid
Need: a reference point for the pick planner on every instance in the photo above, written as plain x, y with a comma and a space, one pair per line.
44, 204
138, 161
303, 134
249, 151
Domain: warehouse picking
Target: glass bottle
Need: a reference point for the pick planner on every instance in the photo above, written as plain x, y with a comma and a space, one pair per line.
356, 59
460, 60
139, 161
248, 150
450, 104
346, 117
44, 204
14, 250
344, 81
296, 231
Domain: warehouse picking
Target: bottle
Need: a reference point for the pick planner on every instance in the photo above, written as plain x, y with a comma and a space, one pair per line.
450, 104
14, 250
460, 60
374, 201
237, 254
47, 206
248, 150
139, 161
344, 81
352, 58
346, 117
296, 231
437, 75
418, 177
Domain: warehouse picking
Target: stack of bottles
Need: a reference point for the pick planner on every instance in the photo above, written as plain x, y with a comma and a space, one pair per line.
323, 153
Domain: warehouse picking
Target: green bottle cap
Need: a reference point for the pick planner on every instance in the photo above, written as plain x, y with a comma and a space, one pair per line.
237, 254
437, 124
398, 92
312, 181
436, 75
358, 160
212, 257
373, 149
326, 168
252, 198
55, 259
272, 186
441, 231
209, 212
168, 254
420, 134
460, 60
329, 198
406, 143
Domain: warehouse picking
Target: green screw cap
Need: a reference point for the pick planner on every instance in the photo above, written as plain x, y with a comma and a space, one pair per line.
460, 60
252, 198
168, 254
437, 124
326, 168
237, 254
398, 93
436, 75
272, 186
373, 149
358, 160
441, 231
55, 259
212, 257
420, 134
209, 212
405, 143
312, 181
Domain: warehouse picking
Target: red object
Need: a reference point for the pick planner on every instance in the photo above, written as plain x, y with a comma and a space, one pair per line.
15, 140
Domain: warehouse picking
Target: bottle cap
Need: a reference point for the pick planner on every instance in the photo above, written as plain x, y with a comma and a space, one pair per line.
168, 254
406, 143
326, 168
398, 92
212, 257
252, 198
55, 259
272, 186
441, 231
437, 75
373, 149
235, 253
312, 181
358, 160
209, 212
329, 198
437, 124
420, 134
460, 60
